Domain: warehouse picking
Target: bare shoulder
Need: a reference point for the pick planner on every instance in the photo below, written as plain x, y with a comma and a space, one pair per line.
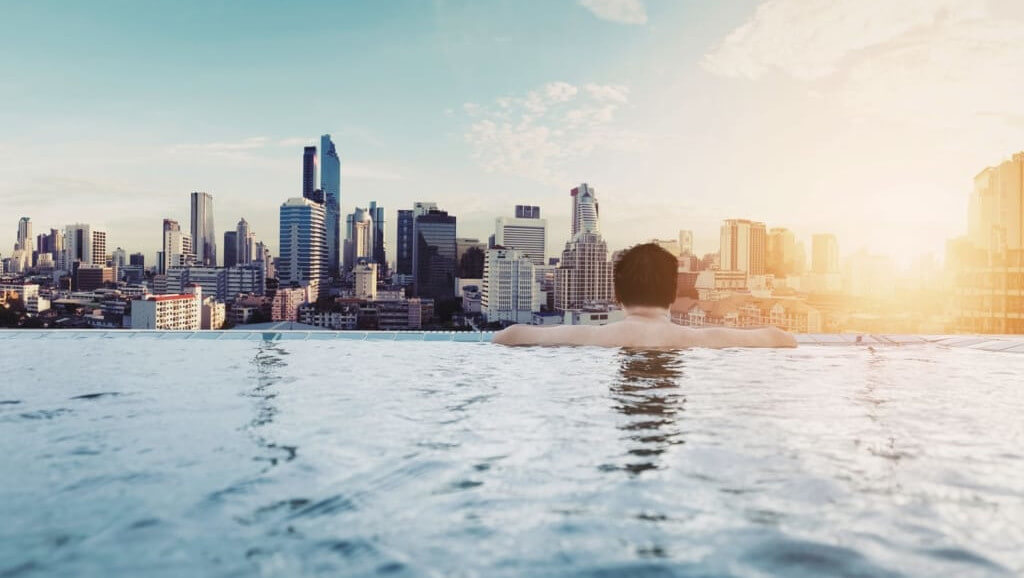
719, 337
533, 335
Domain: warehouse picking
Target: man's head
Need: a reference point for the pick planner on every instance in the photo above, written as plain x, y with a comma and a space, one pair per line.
646, 275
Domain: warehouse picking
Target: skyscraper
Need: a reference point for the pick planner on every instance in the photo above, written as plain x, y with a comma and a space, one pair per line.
204, 240
434, 255
308, 172
25, 234
685, 242
230, 248
380, 254
403, 257
743, 246
824, 254
781, 254
245, 239
584, 209
330, 183
526, 233
584, 275
359, 237
996, 208
303, 260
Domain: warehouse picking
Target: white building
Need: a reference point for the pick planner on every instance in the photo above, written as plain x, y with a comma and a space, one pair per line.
303, 245
169, 312
526, 233
213, 314
510, 290
366, 279
685, 242
83, 244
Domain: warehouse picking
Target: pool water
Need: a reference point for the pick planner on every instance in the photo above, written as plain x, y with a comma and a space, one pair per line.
152, 455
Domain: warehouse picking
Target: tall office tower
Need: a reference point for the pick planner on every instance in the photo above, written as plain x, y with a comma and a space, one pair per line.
56, 244
526, 233
330, 183
781, 257
743, 244
996, 209
584, 274
303, 260
262, 254
25, 234
510, 289
137, 260
824, 254
359, 238
84, 245
380, 253
433, 255
177, 248
685, 242
403, 257
230, 248
584, 209
204, 241
308, 172
245, 243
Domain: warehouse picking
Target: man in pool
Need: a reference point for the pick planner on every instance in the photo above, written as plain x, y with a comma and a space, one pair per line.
645, 285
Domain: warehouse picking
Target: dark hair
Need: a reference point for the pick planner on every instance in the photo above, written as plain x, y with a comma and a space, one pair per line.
646, 275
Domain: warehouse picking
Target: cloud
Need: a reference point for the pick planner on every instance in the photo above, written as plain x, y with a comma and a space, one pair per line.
943, 63
226, 149
621, 11
537, 135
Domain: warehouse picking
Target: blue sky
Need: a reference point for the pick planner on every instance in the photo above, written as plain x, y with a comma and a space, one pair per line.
681, 113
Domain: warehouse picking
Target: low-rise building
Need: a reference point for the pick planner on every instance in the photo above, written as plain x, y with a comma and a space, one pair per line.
169, 312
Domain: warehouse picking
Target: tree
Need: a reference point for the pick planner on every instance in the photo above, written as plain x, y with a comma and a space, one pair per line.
471, 266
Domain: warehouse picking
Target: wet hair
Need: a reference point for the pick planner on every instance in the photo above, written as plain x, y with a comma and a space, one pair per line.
646, 275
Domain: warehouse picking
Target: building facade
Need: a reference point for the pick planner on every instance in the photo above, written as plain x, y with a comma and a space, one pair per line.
204, 237
303, 245
526, 234
510, 290
181, 312
743, 246
434, 255
330, 183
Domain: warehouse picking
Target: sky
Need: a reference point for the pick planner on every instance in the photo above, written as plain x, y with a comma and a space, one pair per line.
864, 118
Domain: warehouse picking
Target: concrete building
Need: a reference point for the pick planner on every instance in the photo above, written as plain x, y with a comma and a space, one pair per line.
177, 248
359, 238
91, 277
743, 246
245, 280
686, 242
213, 280
526, 233
204, 236
510, 291
286, 302
824, 254
84, 245
169, 312
303, 246
245, 241
379, 253
584, 274
403, 251
365, 279
781, 253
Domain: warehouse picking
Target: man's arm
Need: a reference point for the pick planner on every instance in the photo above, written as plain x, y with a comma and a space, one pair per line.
718, 337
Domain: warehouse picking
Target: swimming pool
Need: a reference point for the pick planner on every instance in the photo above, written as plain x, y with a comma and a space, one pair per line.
128, 454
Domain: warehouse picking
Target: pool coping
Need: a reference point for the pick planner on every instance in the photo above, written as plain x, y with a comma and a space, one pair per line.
1002, 343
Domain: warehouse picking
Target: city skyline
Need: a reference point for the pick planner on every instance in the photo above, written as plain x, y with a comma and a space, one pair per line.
679, 125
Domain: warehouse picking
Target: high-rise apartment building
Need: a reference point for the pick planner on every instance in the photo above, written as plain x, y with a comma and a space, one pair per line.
204, 239
380, 253
403, 252
434, 255
510, 292
230, 248
308, 172
584, 209
743, 246
84, 245
359, 237
584, 274
303, 245
824, 254
177, 247
527, 234
365, 272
